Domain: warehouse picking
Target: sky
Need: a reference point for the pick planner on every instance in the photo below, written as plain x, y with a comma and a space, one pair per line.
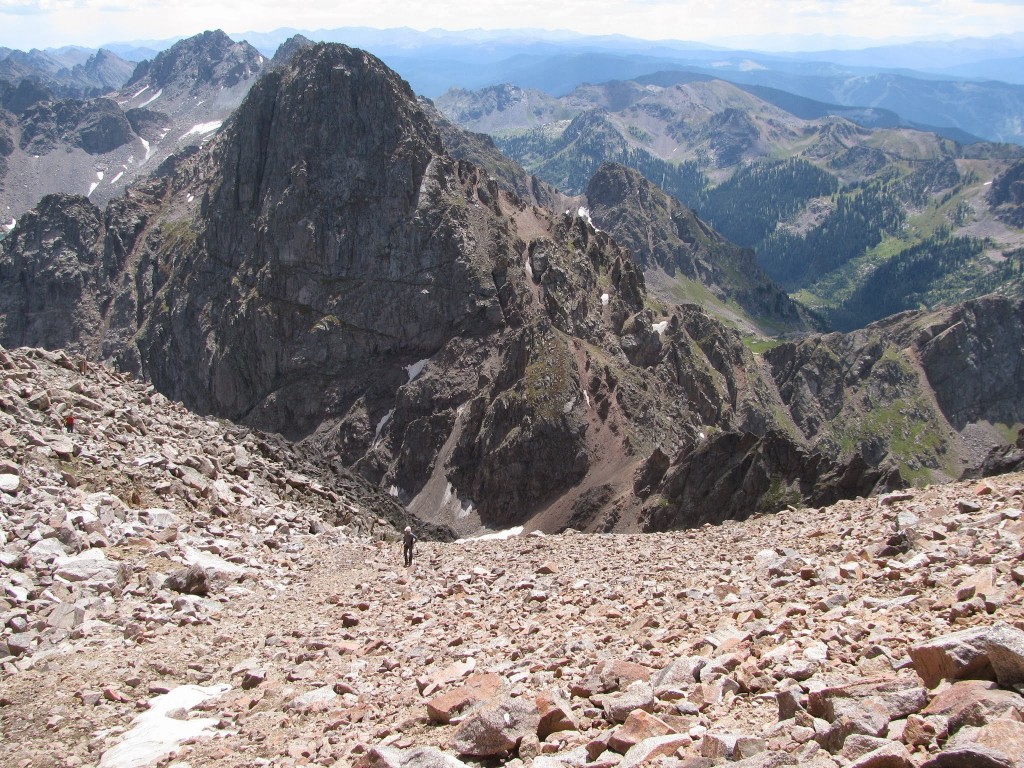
28, 24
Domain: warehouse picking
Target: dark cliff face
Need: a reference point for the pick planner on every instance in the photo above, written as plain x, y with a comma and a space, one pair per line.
332, 231
324, 268
972, 356
47, 275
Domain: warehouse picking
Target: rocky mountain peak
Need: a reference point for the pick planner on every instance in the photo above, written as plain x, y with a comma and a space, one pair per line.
327, 109
289, 48
208, 59
18, 98
104, 71
96, 146
321, 207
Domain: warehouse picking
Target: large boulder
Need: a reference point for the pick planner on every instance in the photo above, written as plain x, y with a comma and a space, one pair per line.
986, 653
1000, 744
478, 687
496, 727
974, 703
419, 757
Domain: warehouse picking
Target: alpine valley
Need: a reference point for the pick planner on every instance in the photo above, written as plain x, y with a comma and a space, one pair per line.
704, 397
336, 261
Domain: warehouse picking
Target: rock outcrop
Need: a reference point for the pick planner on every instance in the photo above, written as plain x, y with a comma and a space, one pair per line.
97, 126
1007, 195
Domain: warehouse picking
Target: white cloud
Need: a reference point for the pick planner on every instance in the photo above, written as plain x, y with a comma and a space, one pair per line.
43, 23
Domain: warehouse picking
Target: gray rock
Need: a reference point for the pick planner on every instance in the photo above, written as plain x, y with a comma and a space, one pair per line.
889, 755
48, 550
768, 759
95, 571
20, 643
731, 746
189, 581
679, 674
315, 700
654, 747
66, 616
9, 483
418, 757
617, 706
495, 728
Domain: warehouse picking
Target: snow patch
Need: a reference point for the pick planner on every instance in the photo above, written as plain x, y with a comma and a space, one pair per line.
604, 299
529, 268
155, 734
146, 145
191, 198
381, 424
139, 93
586, 396
465, 505
99, 175
92, 188
202, 128
750, 66
584, 213
151, 99
119, 175
496, 536
660, 327
416, 368
11, 226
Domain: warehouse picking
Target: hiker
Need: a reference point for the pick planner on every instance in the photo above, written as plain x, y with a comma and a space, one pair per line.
69, 422
408, 539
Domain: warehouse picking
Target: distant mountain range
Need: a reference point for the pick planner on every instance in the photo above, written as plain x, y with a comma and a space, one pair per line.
858, 214
98, 145
973, 85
